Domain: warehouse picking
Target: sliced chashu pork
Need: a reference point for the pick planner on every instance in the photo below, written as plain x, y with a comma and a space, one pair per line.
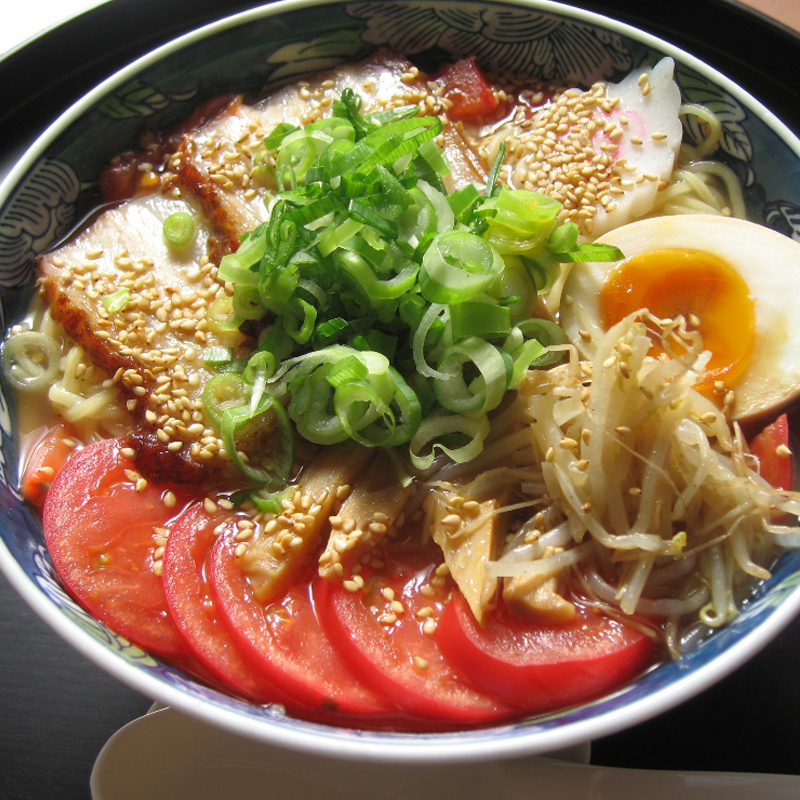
155, 346
219, 163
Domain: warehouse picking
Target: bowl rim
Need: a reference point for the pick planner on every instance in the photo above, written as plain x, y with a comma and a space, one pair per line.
390, 746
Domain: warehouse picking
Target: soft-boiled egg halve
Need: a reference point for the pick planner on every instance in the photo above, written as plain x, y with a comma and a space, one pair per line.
735, 282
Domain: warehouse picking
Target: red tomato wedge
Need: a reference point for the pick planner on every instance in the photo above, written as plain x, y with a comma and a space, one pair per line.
193, 608
775, 468
469, 92
542, 667
47, 457
99, 530
381, 632
285, 642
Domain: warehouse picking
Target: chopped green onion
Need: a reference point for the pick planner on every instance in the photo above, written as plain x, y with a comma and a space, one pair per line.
518, 221
221, 392
396, 314
259, 441
461, 438
217, 357
271, 502
116, 301
458, 266
279, 134
220, 315
549, 334
563, 239
491, 180
350, 368
464, 201
487, 320
593, 251
179, 229
485, 391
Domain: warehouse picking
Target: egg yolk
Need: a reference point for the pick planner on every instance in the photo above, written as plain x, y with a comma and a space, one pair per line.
710, 294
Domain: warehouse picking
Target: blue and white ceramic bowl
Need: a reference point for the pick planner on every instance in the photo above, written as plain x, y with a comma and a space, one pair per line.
53, 186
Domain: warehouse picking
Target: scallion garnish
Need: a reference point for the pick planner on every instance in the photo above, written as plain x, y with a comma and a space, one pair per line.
116, 301
179, 229
395, 314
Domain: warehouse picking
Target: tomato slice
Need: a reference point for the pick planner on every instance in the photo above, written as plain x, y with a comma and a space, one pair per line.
468, 91
285, 642
541, 668
775, 468
384, 631
193, 609
47, 457
99, 527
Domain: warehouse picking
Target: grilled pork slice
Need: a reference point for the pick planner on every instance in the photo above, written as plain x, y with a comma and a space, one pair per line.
154, 345
221, 163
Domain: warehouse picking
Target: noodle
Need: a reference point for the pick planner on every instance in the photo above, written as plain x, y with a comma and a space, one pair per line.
700, 185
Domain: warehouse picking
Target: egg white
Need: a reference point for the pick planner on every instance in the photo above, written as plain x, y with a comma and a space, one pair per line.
769, 263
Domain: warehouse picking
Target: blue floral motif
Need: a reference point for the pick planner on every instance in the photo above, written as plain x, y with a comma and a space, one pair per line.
784, 216
523, 41
47, 580
324, 52
140, 99
736, 141
40, 212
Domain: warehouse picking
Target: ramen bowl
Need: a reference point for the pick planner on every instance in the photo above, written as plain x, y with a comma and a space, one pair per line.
54, 186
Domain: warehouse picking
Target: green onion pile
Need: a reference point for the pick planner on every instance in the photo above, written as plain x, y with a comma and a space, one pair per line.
393, 313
